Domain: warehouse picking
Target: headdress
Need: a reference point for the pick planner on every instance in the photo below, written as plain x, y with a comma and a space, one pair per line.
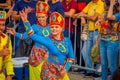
2, 15
42, 7
56, 19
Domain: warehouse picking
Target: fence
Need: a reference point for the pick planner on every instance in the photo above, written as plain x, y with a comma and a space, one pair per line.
80, 65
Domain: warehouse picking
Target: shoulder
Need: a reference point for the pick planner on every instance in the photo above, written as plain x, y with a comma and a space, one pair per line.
67, 39
35, 26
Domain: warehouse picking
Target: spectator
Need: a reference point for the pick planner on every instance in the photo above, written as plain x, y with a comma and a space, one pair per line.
90, 12
57, 64
5, 51
109, 41
41, 28
55, 5
80, 6
30, 9
7, 6
30, 5
6, 3
70, 7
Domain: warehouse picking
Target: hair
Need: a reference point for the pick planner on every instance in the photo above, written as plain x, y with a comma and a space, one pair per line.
116, 75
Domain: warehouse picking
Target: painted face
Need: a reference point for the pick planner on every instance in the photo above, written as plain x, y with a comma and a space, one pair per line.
56, 30
42, 18
2, 26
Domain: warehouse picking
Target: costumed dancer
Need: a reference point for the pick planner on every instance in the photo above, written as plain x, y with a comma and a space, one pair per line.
60, 57
36, 58
5, 51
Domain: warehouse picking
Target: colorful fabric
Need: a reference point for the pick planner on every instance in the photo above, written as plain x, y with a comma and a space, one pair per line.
51, 71
59, 50
7, 60
91, 9
44, 31
109, 30
54, 48
36, 56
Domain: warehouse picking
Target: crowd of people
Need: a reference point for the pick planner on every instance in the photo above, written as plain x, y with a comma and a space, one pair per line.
50, 28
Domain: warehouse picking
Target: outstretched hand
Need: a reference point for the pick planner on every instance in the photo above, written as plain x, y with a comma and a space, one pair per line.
11, 31
23, 16
63, 72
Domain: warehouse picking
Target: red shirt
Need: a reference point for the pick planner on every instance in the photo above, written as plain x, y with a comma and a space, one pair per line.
67, 7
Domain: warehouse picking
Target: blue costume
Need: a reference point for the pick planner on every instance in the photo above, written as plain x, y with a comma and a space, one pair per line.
39, 30
60, 52
38, 49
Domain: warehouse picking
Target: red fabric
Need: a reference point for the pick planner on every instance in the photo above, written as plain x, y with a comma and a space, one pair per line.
42, 7
81, 6
56, 19
2, 35
2, 19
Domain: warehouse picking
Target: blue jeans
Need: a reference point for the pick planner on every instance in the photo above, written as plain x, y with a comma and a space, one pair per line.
87, 46
108, 54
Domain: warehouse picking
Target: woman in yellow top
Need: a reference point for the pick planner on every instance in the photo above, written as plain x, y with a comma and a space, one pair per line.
5, 51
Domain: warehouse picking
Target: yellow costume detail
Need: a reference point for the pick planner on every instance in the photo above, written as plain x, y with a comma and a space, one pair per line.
6, 61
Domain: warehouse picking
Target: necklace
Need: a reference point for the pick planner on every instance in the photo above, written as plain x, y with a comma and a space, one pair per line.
44, 31
60, 46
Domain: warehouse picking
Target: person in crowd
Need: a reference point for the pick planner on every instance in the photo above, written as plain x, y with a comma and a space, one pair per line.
80, 6
70, 7
29, 6
60, 56
41, 28
109, 41
7, 6
91, 13
6, 3
5, 51
55, 5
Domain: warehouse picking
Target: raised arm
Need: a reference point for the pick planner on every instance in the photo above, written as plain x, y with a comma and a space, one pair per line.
21, 36
110, 15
